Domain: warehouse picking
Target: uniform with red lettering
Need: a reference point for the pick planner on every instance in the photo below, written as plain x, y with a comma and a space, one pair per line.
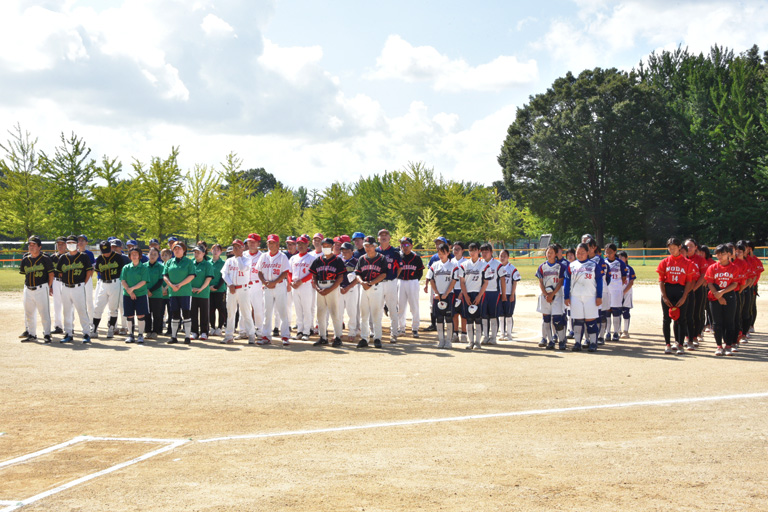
303, 292
408, 287
676, 276
328, 272
722, 280
273, 268
371, 270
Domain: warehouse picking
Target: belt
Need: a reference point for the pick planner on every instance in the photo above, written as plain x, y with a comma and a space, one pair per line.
73, 285
325, 283
57, 278
242, 286
36, 287
108, 281
254, 282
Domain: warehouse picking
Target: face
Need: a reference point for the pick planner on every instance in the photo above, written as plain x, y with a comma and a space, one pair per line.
34, 249
346, 253
317, 242
370, 249
253, 245
504, 258
570, 256
291, 246
406, 248
474, 253
178, 251
384, 238
135, 258
443, 255
273, 246
487, 255
81, 244
238, 250
724, 258
358, 243
61, 246
610, 254
581, 254
690, 248
458, 252
302, 247
153, 255
623, 258
327, 249
72, 246
673, 249
199, 255
216, 252
739, 253
551, 255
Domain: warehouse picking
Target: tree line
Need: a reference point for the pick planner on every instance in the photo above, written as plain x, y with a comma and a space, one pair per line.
66, 191
676, 146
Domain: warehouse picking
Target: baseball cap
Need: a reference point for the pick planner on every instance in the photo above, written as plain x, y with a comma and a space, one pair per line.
35, 240
71, 238
117, 242
383, 231
347, 246
110, 238
183, 245
237, 241
61, 239
369, 240
132, 243
154, 241
317, 235
105, 246
255, 237
441, 239
303, 239
327, 241
173, 239
357, 234
406, 240
337, 240
273, 238
345, 238
290, 238
230, 250
674, 313
198, 248
588, 236
83, 237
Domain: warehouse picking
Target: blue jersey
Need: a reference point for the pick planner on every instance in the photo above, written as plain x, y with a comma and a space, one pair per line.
631, 276
392, 256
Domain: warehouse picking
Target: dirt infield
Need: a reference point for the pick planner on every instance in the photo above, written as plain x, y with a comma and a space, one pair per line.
561, 447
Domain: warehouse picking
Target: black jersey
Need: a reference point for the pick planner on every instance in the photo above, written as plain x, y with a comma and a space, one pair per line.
349, 266
327, 269
392, 257
370, 268
109, 266
36, 270
413, 267
73, 269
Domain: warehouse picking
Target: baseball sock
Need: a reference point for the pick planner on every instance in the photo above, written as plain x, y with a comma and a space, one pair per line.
485, 330
440, 334
546, 330
510, 325
558, 321
603, 324
448, 334
616, 322
187, 327
96, 322
130, 327
470, 333
578, 330
478, 334
625, 314
593, 328
175, 327
141, 326
494, 328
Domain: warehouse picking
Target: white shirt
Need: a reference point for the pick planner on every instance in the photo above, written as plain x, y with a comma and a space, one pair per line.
271, 266
458, 264
300, 265
583, 278
492, 272
255, 258
473, 274
443, 274
236, 271
511, 274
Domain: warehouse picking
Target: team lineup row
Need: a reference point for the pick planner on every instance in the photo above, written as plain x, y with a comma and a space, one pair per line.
474, 294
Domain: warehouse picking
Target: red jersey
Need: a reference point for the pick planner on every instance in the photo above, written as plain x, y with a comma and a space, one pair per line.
757, 264
742, 269
676, 270
721, 277
700, 263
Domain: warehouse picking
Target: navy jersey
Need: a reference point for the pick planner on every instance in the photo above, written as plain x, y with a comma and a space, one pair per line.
370, 268
73, 269
349, 266
394, 261
327, 269
413, 267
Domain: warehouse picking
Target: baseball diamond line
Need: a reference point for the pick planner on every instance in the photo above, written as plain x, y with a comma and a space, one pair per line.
531, 412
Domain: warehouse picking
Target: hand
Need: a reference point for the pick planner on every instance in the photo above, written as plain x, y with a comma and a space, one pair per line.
599, 302
295, 284
512, 297
426, 288
323, 292
568, 302
132, 295
213, 289
477, 300
680, 302
550, 298
722, 301
50, 292
232, 288
195, 290
667, 302
344, 290
366, 286
503, 298
435, 296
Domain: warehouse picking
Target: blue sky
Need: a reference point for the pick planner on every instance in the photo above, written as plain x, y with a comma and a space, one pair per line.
322, 91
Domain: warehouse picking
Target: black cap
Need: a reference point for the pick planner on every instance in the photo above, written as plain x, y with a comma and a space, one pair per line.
61, 239
35, 240
406, 240
369, 240
105, 246
347, 246
327, 240
72, 238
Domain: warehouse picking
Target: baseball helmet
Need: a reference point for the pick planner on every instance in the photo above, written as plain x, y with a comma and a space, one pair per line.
442, 305
472, 309
457, 303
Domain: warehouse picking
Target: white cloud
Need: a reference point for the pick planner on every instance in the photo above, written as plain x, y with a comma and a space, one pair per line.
290, 62
212, 25
400, 60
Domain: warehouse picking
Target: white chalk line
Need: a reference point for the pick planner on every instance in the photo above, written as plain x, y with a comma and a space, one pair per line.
78, 439
532, 412
13, 505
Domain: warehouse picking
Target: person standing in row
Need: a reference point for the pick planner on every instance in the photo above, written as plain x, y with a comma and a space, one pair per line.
273, 268
619, 276
408, 289
350, 291
473, 288
290, 250
255, 286
109, 292
201, 293
218, 303
236, 273
327, 275
722, 280
493, 275
459, 320
134, 278
551, 305
442, 277
82, 246
583, 294
371, 271
37, 269
389, 286
302, 288
178, 273
58, 322
627, 304
76, 270
154, 322
676, 278
511, 278
694, 315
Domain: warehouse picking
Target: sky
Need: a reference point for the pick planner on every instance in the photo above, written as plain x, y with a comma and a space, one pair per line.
317, 92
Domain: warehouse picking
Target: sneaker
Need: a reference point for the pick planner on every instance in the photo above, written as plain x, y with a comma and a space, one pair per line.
680, 350
47, 339
448, 345
66, 339
362, 343
735, 347
275, 332
86, 340
392, 339
321, 341
299, 335
616, 336
719, 351
244, 336
752, 329
551, 345
29, 339
140, 340
304, 337
129, 339
696, 341
728, 350
668, 350
123, 330
95, 335
571, 335
592, 347
401, 332
463, 337
264, 341
503, 337
625, 335
562, 345
286, 342
576, 347
600, 341
172, 341
203, 337
58, 330
745, 339
415, 334
377, 343
187, 341
111, 331
25, 334
469, 346
707, 328
431, 328
193, 336
229, 341
336, 342
485, 341
251, 339
543, 342
687, 346
477, 347
455, 338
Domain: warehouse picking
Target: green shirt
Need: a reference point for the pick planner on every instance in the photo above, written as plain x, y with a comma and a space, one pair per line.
203, 270
133, 275
218, 281
177, 270
155, 275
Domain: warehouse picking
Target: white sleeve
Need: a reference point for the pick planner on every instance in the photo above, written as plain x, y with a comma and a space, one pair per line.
225, 273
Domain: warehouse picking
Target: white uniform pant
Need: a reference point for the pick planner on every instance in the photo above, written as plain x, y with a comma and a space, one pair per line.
408, 294
256, 296
276, 299
89, 297
350, 303
390, 299
73, 299
328, 306
288, 308
303, 297
36, 301
108, 295
57, 306
241, 298
371, 304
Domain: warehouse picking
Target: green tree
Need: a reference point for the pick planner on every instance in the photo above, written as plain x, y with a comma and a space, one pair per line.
278, 212
159, 193
114, 204
232, 215
69, 173
199, 196
335, 215
428, 229
22, 188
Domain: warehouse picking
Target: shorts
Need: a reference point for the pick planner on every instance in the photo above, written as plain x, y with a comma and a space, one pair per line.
556, 307
180, 303
617, 297
490, 305
606, 299
458, 297
138, 306
508, 307
465, 308
584, 307
442, 313
627, 300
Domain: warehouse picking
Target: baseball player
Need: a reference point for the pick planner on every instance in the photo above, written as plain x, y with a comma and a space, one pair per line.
371, 271
133, 279
676, 276
722, 280
178, 274
357, 240
290, 250
459, 321
328, 273
317, 252
61, 249
511, 278
302, 287
109, 266
117, 246
619, 274
201, 293
551, 275
255, 286
389, 286
758, 266
473, 286
583, 294
350, 291
76, 270
82, 246
626, 303
37, 269
594, 252
236, 273
154, 323
442, 277
493, 275
273, 268
408, 286
218, 290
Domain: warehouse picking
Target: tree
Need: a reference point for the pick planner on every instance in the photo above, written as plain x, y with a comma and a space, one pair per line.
428, 229
114, 204
160, 187
22, 188
233, 212
278, 212
265, 181
335, 215
502, 221
199, 201
69, 176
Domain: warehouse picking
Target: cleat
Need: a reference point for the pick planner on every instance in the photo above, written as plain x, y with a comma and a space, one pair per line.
463, 337
576, 347
25, 334
299, 335
129, 339
600, 341
543, 343
86, 340
264, 341
415, 334
336, 342
430, 328
615, 337
94, 335
304, 337
719, 351
187, 341
286, 342
592, 347
29, 339
477, 347
362, 343
229, 340
668, 350
242, 336
455, 338
625, 335
687, 346
275, 332
172, 341
140, 339
66, 339
503, 337
562, 345
551, 345
377, 343
735, 347
321, 341
752, 329
111, 331
203, 337
193, 336
58, 330
47, 339
571, 335
393, 339
680, 350
728, 350
697, 340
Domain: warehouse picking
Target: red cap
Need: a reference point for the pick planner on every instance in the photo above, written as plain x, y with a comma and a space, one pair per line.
345, 238
273, 238
337, 240
674, 313
237, 241
303, 239
255, 237
318, 235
